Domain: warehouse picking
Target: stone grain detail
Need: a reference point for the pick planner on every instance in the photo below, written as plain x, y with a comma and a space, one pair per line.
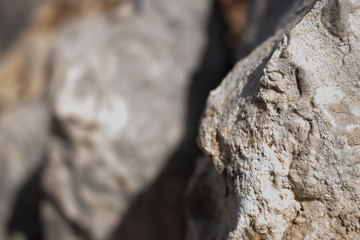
282, 132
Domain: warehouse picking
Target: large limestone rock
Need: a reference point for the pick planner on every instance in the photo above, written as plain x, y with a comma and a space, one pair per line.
118, 96
282, 132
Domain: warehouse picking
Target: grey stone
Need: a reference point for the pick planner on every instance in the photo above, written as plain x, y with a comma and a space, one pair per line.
118, 98
282, 132
23, 137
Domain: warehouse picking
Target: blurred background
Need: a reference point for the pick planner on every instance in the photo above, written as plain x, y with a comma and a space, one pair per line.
99, 106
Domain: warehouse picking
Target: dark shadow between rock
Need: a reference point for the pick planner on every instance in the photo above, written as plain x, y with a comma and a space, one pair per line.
158, 212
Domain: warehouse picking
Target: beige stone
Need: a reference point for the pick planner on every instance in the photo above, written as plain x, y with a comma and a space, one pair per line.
282, 132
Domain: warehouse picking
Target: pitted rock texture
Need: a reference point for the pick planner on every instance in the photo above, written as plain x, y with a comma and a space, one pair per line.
282, 131
118, 96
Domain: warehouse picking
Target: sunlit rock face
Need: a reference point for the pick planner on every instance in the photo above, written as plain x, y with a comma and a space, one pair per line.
118, 94
282, 132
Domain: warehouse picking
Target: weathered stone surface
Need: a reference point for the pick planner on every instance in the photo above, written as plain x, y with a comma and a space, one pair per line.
282, 132
117, 100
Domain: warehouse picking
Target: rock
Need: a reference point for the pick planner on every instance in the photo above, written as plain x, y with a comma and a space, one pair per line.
118, 96
27, 34
27, 51
23, 111
23, 137
282, 132
170, 221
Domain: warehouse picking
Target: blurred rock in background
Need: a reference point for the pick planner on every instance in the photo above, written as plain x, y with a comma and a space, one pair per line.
97, 98
117, 102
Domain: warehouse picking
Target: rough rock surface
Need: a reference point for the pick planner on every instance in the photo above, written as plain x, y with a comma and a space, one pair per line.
116, 78
282, 132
